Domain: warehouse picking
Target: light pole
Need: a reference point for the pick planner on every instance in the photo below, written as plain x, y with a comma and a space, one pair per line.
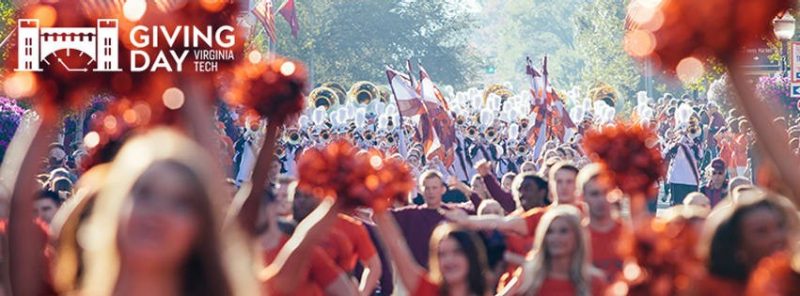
784, 28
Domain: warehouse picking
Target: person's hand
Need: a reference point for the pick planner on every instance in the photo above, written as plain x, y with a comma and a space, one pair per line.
454, 183
484, 168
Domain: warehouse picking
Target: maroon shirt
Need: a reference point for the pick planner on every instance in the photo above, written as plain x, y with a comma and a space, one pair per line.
504, 198
417, 224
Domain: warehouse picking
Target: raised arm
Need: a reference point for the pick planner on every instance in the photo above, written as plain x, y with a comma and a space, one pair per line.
25, 245
296, 254
504, 198
509, 224
410, 272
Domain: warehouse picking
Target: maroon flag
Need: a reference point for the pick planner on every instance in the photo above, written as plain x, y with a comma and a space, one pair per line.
408, 100
288, 11
263, 13
443, 140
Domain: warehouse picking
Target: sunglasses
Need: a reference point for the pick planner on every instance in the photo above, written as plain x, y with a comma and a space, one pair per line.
717, 173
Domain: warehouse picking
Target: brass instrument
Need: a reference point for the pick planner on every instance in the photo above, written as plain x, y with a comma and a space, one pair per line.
498, 89
325, 135
472, 132
385, 93
390, 139
523, 123
369, 135
491, 134
522, 148
694, 130
363, 92
292, 137
324, 97
460, 120
341, 93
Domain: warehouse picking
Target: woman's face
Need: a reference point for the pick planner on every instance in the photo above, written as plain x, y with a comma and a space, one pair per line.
763, 232
159, 221
561, 239
452, 261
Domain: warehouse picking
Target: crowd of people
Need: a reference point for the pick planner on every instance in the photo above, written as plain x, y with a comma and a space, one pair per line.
164, 212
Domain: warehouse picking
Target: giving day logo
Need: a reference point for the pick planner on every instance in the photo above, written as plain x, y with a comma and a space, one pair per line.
96, 49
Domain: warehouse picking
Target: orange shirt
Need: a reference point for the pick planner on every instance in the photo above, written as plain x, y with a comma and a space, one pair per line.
604, 250
320, 272
348, 242
563, 287
426, 287
532, 218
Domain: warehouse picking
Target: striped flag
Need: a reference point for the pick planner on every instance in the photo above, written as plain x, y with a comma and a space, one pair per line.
408, 100
443, 136
263, 13
552, 119
288, 11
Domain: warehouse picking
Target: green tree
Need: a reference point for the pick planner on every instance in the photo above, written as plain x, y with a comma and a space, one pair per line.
600, 25
350, 40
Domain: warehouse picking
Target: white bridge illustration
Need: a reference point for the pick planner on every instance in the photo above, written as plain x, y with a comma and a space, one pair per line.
99, 43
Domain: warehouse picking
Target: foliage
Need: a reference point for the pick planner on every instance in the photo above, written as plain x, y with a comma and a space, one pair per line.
10, 115
511, 30
714, 70
775, 90
722, 92
7, 24
599, 37
346, 41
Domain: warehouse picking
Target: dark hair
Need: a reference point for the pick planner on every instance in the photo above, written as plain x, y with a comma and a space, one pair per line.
203, 269
51, 195
473, 249
541, 183
722, 260
61, 184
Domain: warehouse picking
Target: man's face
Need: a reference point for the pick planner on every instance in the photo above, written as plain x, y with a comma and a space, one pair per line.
530, 194
564, 186
45, 209
432, 191
595, 195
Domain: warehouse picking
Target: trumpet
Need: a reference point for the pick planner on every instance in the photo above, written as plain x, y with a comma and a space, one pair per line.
522, 148
491, 134
523, 123
460, 120
292, 137
325, 135
472, 132
369, 135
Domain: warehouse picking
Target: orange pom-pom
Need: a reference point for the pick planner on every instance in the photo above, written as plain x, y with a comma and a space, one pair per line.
629, 155
357, 179
273, 88
775, 276
660, 258
674, 30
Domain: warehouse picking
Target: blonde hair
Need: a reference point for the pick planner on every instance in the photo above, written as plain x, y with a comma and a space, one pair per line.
586, 174
99, 235
536, 268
